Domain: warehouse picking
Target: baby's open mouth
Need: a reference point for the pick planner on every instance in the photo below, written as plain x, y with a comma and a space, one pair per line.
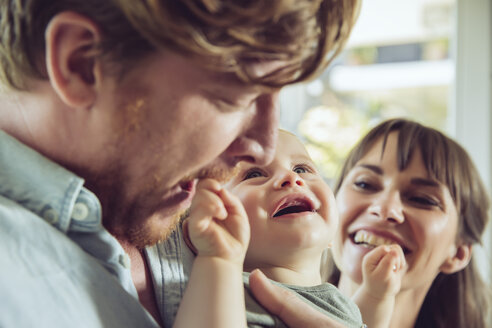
370, 240
295, 205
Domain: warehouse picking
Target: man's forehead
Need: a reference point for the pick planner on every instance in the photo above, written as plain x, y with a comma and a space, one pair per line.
255, 69
252, 70
259, 69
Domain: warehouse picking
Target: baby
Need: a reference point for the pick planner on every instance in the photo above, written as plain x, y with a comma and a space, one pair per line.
289, 213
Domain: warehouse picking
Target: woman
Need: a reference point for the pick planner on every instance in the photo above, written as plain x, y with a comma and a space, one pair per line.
410, 185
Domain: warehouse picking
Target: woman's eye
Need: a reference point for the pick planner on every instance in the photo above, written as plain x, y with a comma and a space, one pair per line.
363, 185
424, 201
252, 174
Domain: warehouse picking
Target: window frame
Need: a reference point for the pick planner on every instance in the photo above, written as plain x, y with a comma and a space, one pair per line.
470, 119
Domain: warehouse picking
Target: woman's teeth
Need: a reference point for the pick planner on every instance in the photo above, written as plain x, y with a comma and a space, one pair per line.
369, 240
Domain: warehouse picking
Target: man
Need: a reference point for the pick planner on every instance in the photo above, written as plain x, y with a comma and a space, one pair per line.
111, 111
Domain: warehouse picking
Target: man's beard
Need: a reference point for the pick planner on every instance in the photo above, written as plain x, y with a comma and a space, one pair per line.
142, 221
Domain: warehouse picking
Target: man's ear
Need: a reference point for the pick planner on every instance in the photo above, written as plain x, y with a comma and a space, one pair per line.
457, 261
72, 58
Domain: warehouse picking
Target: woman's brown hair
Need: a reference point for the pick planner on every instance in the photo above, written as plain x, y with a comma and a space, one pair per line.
225, 34
461, 299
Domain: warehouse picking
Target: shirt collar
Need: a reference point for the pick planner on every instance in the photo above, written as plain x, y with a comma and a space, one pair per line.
42, 186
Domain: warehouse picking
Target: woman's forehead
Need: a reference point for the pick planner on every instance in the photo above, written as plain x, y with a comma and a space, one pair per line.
389, 151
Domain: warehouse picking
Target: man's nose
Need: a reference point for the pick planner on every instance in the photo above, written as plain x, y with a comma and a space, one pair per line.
257, 144
388, 206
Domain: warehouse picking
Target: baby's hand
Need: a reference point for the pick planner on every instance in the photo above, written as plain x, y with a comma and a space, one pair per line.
382, 271
218, 225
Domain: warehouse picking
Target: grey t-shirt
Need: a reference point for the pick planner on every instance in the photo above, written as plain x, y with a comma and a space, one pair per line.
326, 298
171, 262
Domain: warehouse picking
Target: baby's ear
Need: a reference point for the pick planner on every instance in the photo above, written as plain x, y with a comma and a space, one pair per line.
457, 261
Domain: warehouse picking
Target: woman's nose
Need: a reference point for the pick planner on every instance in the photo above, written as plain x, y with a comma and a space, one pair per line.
388, 206
288, 179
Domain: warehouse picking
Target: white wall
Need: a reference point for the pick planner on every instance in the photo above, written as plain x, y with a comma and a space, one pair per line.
389, 21
471, 118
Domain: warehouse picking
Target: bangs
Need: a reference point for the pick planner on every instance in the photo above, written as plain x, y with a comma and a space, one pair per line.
441, 164
444, 160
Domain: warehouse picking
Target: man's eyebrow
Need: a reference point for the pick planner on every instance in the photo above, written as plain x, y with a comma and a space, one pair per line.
376, 169
424, 182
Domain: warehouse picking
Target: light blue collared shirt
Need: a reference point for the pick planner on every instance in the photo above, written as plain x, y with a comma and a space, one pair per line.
58, 266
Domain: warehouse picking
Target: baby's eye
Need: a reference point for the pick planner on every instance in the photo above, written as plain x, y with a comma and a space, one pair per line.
253, 173
301, 169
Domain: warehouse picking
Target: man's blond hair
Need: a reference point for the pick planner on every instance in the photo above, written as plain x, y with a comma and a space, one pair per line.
226, 35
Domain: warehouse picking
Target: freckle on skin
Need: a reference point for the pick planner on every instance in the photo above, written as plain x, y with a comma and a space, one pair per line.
134, 113
157, 179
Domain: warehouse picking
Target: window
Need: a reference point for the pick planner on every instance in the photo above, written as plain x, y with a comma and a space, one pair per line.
428, 60
396, 64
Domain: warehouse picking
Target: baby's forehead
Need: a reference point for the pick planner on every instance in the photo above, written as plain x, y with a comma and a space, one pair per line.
284, 134
289, 141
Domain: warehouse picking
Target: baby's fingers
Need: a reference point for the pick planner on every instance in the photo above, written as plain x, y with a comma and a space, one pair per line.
206, 206
372, 259
237, 221
398, 256
383, 260
207, 200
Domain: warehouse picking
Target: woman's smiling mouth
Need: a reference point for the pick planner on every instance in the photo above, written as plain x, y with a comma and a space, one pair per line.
370, 240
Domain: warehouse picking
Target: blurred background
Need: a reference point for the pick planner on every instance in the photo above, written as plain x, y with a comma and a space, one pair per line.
427, 60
